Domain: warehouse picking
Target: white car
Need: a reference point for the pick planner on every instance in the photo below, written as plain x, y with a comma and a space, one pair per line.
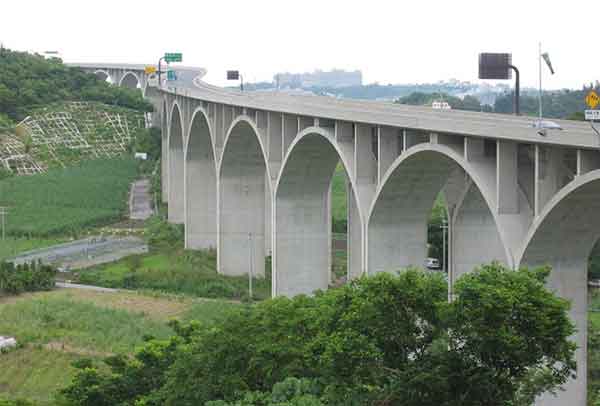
432, 263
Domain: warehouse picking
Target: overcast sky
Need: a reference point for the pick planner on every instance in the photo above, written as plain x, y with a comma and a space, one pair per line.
393, 41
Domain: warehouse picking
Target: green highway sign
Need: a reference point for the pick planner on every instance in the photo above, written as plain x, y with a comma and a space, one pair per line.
171, 75
173, 57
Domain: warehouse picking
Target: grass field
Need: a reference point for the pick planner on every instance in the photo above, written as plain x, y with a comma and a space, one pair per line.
59, 327
64, 201
175, 271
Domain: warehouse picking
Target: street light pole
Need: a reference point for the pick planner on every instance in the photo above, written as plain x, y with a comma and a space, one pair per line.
159, 72
540, 73
517, 90
444, 227
250, 272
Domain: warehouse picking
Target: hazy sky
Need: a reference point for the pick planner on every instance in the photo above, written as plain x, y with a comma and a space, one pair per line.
395, 41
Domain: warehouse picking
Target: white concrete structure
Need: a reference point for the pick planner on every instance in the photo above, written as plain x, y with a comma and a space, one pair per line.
250, 173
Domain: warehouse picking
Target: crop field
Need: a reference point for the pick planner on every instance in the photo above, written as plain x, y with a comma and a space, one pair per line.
58, 327
65, 201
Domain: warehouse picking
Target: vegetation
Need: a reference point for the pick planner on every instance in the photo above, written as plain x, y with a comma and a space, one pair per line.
58, 328
28, 80
16, 279
339, 202
425, 99
565, 103
65, 201
380, 340
65, 133
170, 268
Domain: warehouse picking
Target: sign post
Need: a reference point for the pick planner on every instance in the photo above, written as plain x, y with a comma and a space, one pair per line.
168, 58
499, 66
235, 75
592, 100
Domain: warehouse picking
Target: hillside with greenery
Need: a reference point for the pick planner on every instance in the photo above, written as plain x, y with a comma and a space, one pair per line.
566, 103
470, 103
28, 80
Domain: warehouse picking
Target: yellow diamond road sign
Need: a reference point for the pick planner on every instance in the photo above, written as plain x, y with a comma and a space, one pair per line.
150, 70
592, 99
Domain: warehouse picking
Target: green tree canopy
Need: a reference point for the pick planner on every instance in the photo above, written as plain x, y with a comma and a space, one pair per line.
386, 339
28, 80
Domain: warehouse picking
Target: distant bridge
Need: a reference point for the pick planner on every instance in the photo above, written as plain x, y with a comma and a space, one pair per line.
250, 175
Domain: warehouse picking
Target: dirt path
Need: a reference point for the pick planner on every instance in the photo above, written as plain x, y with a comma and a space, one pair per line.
140, 200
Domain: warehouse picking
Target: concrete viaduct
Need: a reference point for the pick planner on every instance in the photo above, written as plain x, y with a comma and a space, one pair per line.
250, 175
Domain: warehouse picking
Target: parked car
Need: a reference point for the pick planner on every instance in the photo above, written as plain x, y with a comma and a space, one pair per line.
432, 263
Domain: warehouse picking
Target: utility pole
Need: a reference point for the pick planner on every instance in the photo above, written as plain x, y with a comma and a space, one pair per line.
251, 255
444, 227
3, 213
540, 72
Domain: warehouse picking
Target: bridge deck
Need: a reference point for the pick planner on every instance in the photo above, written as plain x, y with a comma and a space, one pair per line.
489, 125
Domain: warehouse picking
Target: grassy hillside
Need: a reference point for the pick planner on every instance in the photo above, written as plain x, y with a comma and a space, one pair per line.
67, 200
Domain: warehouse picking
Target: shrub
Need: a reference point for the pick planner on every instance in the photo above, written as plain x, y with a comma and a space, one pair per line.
25, 278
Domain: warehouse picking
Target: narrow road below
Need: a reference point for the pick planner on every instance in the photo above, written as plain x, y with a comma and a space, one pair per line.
140, 200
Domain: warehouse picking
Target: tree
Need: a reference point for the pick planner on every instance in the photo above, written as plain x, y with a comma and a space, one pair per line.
385, 340
28, 80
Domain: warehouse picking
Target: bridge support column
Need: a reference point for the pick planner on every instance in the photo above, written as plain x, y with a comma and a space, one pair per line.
201, 187
242, 204
176, 170
303, 217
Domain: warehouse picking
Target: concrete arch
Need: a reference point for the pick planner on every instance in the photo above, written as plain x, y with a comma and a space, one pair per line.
563, 236
103, 75
130, 80
402, 205
176, 166
244, 200
200, 184
302, 237
151, 91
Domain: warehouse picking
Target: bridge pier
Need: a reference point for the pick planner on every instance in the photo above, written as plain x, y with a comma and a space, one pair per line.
201, 186
242, 203
176, 168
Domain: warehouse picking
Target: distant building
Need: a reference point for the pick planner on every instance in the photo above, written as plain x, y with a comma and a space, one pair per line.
319, 78
441, 105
